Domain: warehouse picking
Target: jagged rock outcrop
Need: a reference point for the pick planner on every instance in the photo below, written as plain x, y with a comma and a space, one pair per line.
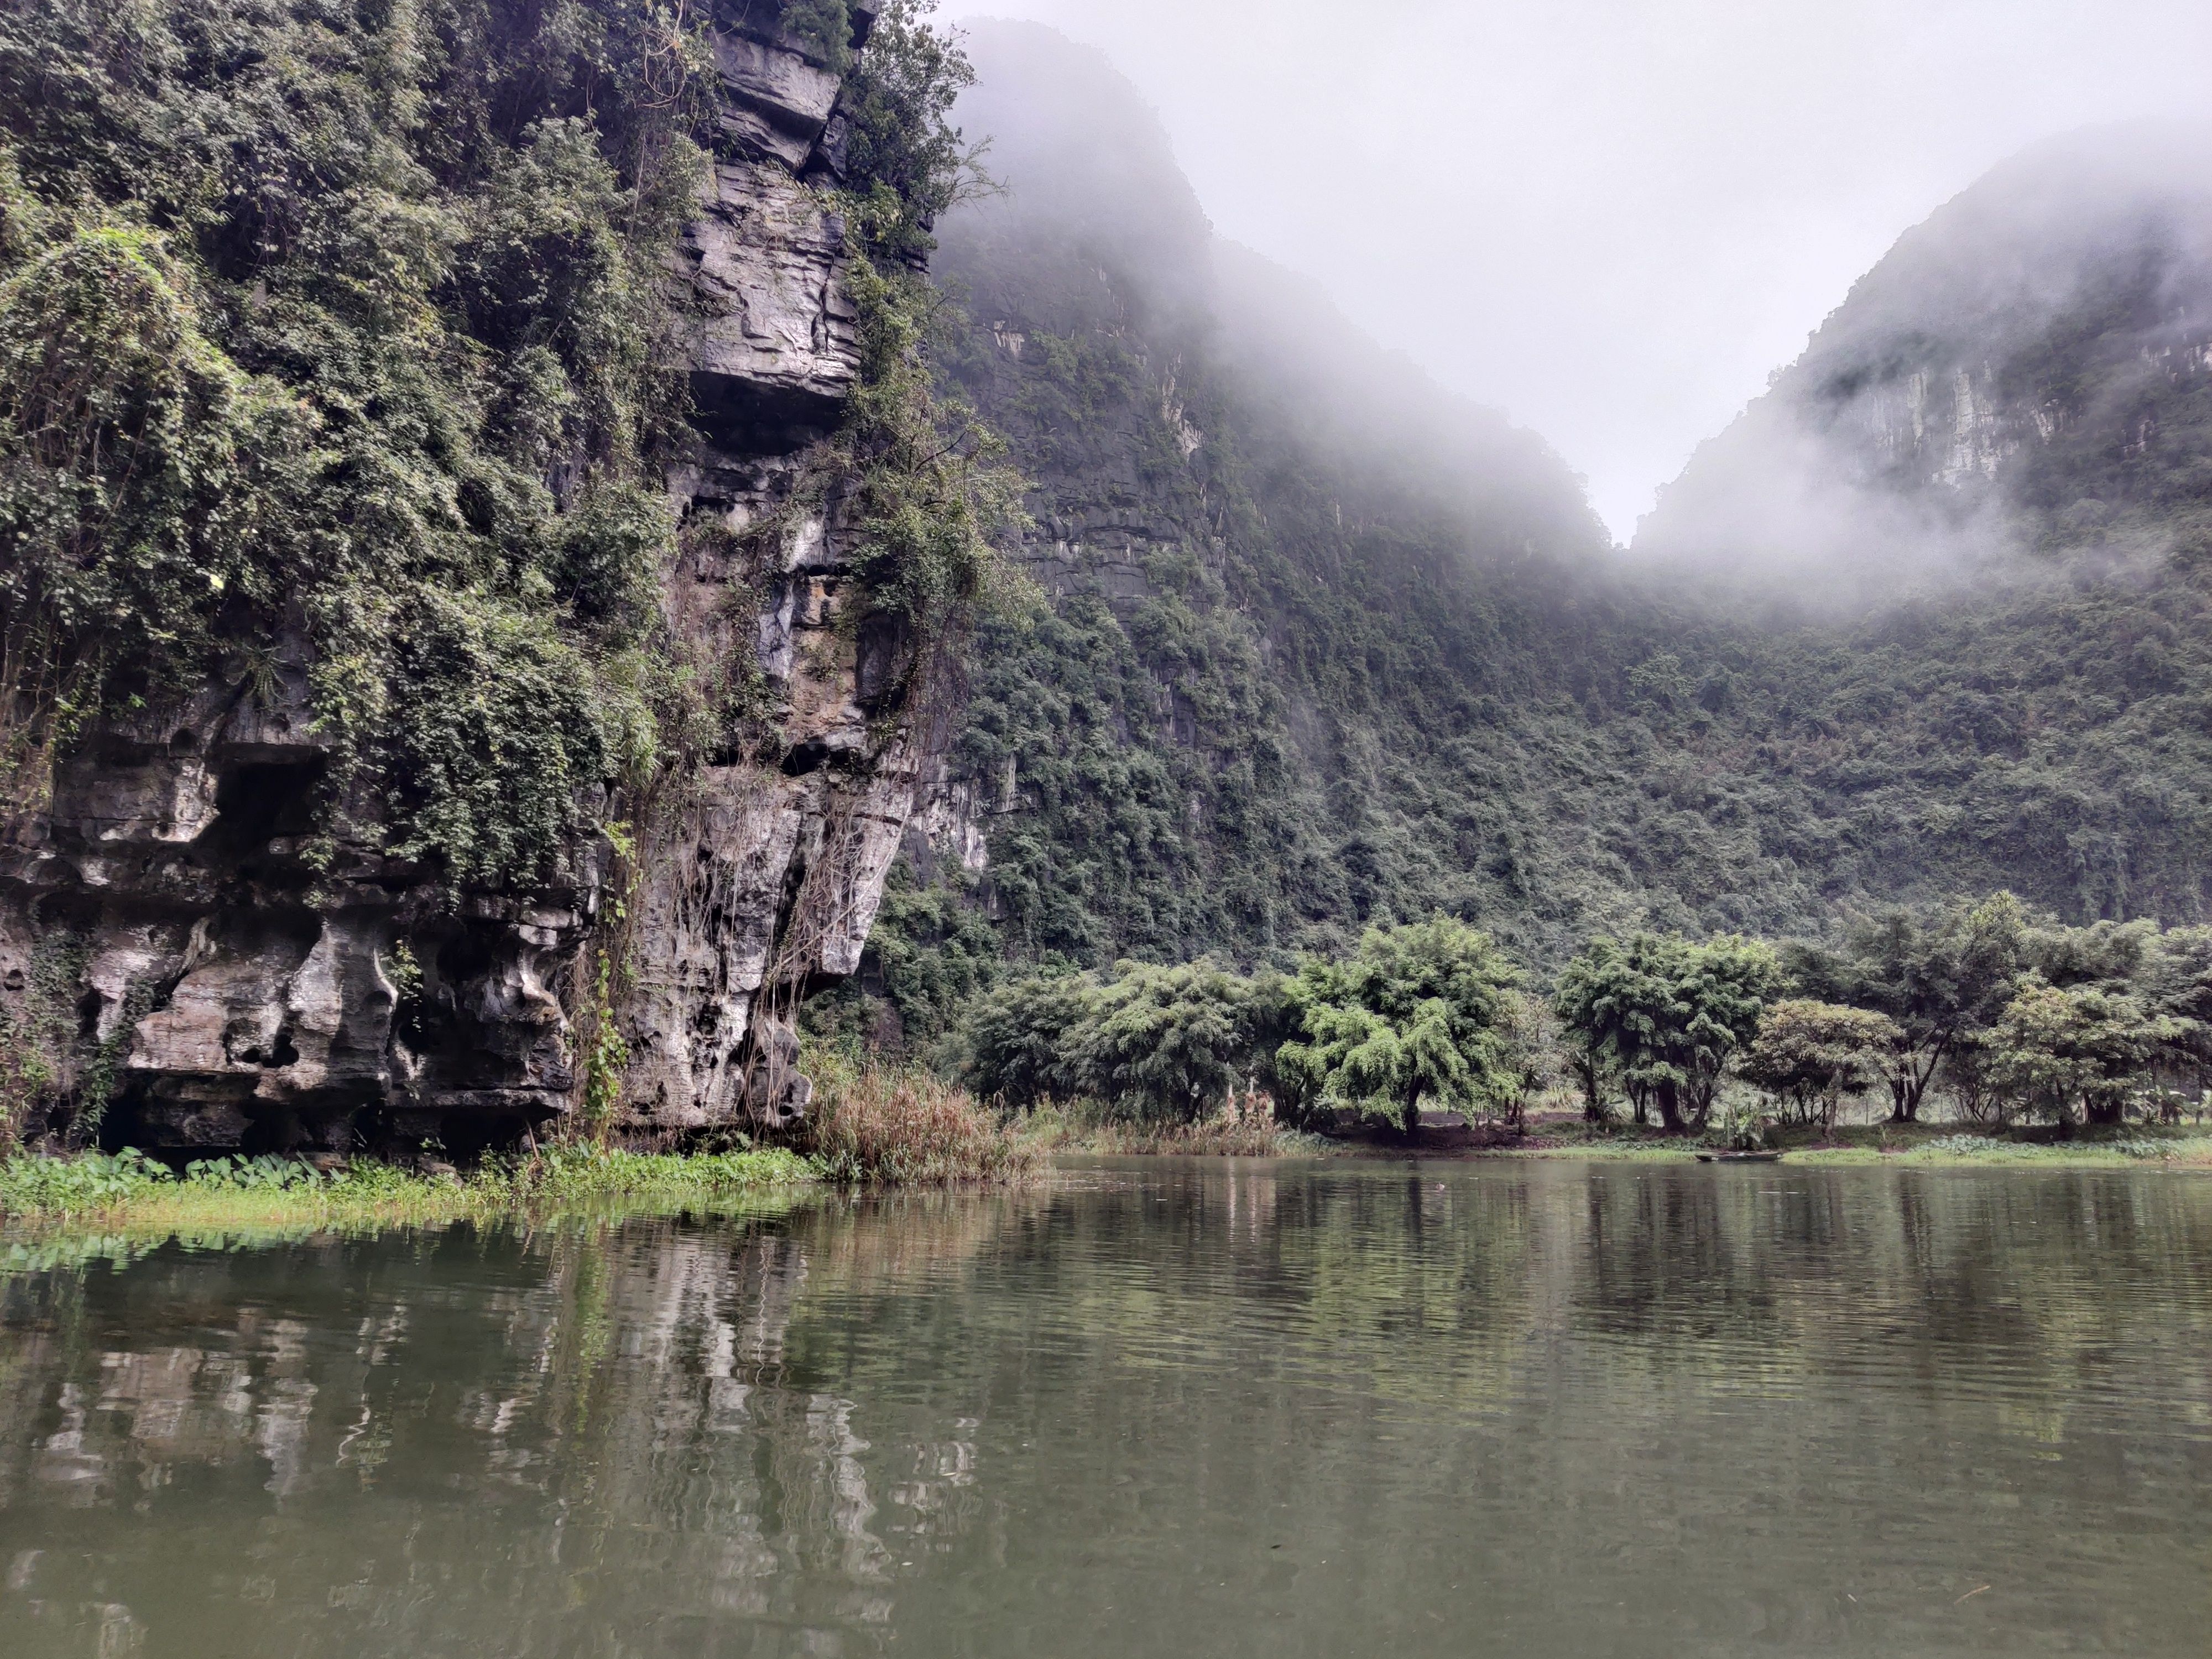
217, 979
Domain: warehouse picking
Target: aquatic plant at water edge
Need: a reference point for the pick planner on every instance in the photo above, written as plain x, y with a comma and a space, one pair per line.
36, 1185
90, 1182
874, 1123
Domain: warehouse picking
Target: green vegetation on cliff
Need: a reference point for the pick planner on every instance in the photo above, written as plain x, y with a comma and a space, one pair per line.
346, 322
1324, 648
339, 340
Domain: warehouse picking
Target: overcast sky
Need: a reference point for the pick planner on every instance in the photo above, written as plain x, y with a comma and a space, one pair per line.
1612, 218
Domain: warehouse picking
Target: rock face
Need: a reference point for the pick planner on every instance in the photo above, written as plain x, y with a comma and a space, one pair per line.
2028, 369
211, 987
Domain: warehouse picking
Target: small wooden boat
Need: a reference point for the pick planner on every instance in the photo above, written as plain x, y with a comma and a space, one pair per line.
1739, 1157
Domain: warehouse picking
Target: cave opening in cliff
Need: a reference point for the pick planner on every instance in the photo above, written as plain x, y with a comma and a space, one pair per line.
259, 806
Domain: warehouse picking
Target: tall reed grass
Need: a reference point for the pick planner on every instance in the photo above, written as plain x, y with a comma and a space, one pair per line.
1089, 1127
884, 1125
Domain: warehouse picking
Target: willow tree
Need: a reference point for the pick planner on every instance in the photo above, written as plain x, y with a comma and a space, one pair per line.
1665, 1015
1417, 1014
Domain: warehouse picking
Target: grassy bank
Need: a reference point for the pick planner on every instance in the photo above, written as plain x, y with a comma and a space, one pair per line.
2193, 1152
871, 1125
58, 1213
1054, 1129
127, 1188
1089, 1128
873, 1128
1916, 1145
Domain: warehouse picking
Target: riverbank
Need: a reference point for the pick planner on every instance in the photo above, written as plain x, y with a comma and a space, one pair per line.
126, 1190
1913, 1144
872, 1126
1916, 1145
128, 1195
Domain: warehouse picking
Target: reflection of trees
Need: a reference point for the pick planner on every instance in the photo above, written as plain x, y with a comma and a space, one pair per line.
903, 1241
518, 1442
1922, 1274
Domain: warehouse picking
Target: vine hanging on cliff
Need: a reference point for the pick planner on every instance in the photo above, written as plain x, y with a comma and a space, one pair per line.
931, 495
347, 327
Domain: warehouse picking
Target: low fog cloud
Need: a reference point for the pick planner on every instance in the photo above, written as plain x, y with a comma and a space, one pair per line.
1613, 219
1996, 390
1095, 229
1787, 516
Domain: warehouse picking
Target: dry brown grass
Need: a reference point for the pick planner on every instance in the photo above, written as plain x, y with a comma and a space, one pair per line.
880, 1125
1209, 1139
1084, 1127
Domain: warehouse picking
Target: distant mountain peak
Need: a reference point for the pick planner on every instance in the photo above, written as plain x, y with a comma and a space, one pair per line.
2027, 372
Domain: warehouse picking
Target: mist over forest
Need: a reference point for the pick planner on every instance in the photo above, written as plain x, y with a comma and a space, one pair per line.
2018, 385
1330, 645
1087, 166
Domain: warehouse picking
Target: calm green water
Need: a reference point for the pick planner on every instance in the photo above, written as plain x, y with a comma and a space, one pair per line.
1154, 1408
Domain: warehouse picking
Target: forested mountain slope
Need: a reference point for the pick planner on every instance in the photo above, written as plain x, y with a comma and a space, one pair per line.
1323, 644
2028, 372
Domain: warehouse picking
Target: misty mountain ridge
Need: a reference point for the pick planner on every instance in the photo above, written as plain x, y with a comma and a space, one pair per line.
1137, 253
1323, 645
2027, 373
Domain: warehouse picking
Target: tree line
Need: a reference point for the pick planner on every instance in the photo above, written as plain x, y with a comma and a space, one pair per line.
2009, 1015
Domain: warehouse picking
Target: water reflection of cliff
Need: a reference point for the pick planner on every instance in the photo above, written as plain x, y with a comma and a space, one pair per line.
598, 1422
648, 1431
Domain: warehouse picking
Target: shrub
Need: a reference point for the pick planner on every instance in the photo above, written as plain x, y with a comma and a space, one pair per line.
1170, 1042
1020, 1038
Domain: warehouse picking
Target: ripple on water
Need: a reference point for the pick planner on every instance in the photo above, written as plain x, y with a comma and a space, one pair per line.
1146, 1406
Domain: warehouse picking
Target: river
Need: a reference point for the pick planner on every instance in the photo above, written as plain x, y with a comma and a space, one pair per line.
1143, 1407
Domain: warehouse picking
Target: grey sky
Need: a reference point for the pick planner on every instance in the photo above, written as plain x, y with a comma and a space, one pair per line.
1613, 217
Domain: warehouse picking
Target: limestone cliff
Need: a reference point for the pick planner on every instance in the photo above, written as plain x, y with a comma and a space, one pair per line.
228, 983
2027, 370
